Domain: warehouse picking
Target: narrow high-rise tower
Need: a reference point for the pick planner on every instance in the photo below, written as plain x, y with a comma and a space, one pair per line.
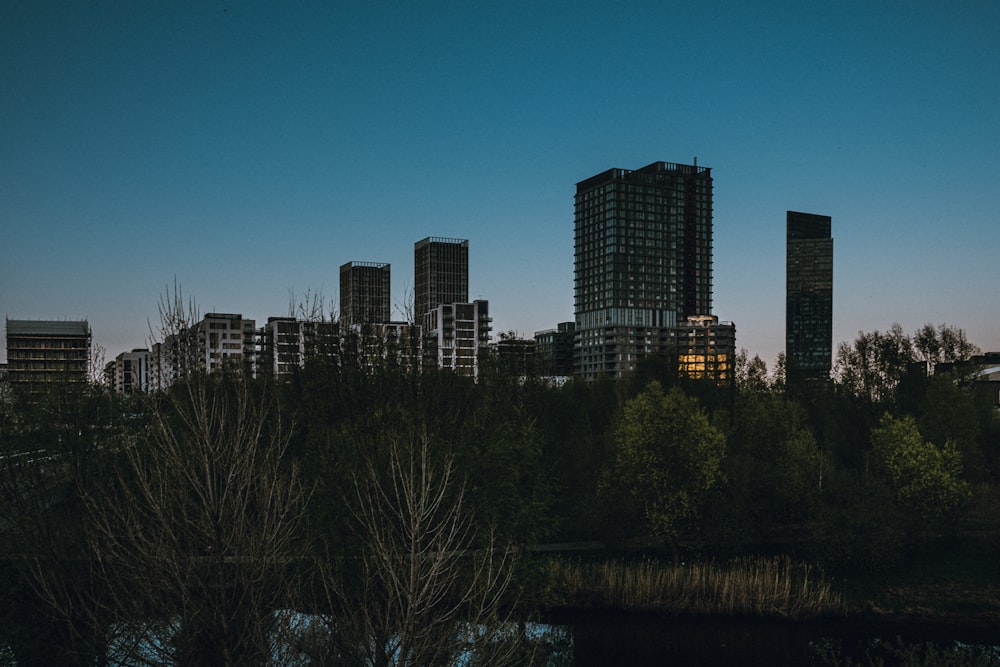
643, 262
440, 275
364, 293
808, 298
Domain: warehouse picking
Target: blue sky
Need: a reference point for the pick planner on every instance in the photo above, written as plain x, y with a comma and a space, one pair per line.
248, 149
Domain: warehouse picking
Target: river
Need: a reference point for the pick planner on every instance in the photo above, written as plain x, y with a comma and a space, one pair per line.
593, 640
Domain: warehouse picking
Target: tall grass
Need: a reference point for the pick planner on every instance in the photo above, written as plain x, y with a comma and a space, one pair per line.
747, 587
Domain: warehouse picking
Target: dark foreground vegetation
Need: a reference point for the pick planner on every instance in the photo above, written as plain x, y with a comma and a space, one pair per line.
362, 513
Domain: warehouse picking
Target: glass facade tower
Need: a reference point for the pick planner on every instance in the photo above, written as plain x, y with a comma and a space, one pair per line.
808, 298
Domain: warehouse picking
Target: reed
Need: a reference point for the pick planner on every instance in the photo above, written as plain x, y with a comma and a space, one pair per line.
774, 587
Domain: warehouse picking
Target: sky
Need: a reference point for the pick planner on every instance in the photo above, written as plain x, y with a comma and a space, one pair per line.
244, 150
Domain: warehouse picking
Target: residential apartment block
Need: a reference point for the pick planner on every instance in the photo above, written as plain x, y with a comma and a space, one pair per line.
459, 336
554, 350
219, 341
365, 293
130, 372
44, 353
642, 262
440, 275
706, 349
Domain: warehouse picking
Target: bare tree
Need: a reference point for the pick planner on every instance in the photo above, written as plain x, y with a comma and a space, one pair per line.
311, 307
424, 594
175, 350
194, 535
189, 537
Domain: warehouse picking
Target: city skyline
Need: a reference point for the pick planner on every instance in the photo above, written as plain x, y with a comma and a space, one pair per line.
247, 150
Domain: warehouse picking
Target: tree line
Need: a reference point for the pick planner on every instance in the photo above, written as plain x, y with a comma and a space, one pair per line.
364, 512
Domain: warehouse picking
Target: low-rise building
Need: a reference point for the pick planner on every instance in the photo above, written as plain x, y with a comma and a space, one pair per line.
130, 372
554, 350
459, 335
706, 349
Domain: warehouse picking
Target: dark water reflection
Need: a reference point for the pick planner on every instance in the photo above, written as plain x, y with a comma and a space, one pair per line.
608, 639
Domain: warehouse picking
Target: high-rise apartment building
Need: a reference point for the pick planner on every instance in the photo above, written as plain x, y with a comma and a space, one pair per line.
808, 298
440, 275
642, 262
364, 293
43, 353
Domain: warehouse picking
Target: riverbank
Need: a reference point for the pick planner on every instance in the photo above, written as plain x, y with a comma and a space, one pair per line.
953, 586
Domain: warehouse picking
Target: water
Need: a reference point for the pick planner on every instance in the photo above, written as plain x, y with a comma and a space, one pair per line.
598, 639
624, 639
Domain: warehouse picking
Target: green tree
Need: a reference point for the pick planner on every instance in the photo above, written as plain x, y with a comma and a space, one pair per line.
872, 367
751, 374
927, 479
944, 344
574, 424
668, 456
952, 412
774, 470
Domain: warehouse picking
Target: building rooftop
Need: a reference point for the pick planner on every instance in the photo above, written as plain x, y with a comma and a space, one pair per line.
48, 328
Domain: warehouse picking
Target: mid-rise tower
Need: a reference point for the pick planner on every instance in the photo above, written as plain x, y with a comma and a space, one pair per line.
365, 293
440, 275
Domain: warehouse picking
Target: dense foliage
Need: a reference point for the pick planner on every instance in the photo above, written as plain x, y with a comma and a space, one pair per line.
122, 507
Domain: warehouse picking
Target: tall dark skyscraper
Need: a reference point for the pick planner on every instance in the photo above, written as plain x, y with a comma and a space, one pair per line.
808, 298
364, 293
440, 275
642, 262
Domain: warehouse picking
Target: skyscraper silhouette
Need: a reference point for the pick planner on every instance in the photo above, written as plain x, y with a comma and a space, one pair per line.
808, 298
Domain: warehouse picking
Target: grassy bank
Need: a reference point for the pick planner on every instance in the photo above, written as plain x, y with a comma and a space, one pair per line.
758, 587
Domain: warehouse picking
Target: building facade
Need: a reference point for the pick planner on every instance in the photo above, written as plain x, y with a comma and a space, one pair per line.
706, 349
554, 350
225, 340
515, 356
43, 353
459, 337
130, 372
280, 347
286, 344
642, 262
440, 275
808, 298
219, 341
365, 293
